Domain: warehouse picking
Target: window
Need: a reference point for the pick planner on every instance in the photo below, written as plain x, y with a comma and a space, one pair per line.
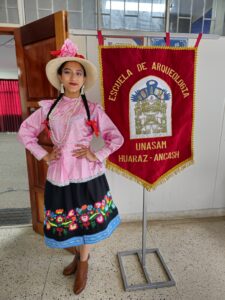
181, 16
191, 16
9, 12
146, 15
82, 13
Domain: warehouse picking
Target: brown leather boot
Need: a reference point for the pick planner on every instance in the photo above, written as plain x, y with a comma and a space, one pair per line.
81, 276
72, 267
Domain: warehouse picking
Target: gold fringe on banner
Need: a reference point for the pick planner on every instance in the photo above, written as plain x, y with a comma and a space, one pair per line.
194, 103
150, 186
101, 76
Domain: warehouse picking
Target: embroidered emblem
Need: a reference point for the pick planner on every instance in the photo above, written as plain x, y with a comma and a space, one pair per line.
150, 108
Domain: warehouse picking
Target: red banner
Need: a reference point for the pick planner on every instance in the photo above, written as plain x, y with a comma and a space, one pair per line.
148, 92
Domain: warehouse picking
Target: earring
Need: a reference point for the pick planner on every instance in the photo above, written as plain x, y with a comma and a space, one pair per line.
61, 88
82, 90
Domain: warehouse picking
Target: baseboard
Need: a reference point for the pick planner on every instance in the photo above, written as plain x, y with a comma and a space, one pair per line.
176, 215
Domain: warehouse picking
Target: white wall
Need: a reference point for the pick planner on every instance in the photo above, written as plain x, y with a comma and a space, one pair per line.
198, 190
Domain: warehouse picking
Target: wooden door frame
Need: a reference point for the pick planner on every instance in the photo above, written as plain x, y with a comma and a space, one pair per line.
7, 30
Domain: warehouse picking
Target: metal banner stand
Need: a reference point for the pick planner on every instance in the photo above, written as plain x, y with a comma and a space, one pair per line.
142, 260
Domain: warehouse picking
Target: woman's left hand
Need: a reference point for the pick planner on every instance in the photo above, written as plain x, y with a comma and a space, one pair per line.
84, 151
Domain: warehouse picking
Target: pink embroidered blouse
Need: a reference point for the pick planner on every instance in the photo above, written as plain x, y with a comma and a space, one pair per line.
68, 128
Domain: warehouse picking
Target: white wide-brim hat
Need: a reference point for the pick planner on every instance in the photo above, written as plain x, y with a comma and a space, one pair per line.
68, 52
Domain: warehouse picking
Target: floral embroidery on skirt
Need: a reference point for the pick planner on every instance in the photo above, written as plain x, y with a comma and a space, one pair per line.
84, 217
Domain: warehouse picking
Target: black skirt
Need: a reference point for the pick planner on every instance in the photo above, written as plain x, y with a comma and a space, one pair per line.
79, 213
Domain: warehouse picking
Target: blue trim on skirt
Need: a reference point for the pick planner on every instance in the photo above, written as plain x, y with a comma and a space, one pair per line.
85, 239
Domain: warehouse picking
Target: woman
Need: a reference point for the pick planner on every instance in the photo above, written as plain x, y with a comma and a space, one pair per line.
79, 210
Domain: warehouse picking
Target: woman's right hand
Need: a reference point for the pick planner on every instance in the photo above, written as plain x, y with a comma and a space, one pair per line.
54, 155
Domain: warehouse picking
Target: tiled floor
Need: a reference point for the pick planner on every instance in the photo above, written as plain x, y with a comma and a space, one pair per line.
13, 173
194, 252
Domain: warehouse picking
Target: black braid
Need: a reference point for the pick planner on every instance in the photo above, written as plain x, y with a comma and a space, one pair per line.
53, 105
86, 106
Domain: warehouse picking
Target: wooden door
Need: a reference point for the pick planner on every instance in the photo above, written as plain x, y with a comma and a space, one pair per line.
33, 44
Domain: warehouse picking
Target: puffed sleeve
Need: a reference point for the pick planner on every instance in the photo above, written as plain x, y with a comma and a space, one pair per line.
31, 127
112, 137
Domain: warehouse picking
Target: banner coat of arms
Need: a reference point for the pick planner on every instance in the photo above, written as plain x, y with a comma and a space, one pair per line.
148, 92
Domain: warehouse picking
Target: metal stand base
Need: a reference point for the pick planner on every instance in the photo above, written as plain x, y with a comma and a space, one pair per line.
149, 284
141, 255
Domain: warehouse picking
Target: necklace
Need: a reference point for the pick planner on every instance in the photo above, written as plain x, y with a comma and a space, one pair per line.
59, 115
67, 115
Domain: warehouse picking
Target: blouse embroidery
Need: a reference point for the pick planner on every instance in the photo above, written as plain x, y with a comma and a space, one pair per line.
67, 115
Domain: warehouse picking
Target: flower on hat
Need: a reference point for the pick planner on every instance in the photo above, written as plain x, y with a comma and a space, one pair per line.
69, 49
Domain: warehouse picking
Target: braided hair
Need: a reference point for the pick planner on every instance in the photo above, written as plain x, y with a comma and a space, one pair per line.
59, 72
